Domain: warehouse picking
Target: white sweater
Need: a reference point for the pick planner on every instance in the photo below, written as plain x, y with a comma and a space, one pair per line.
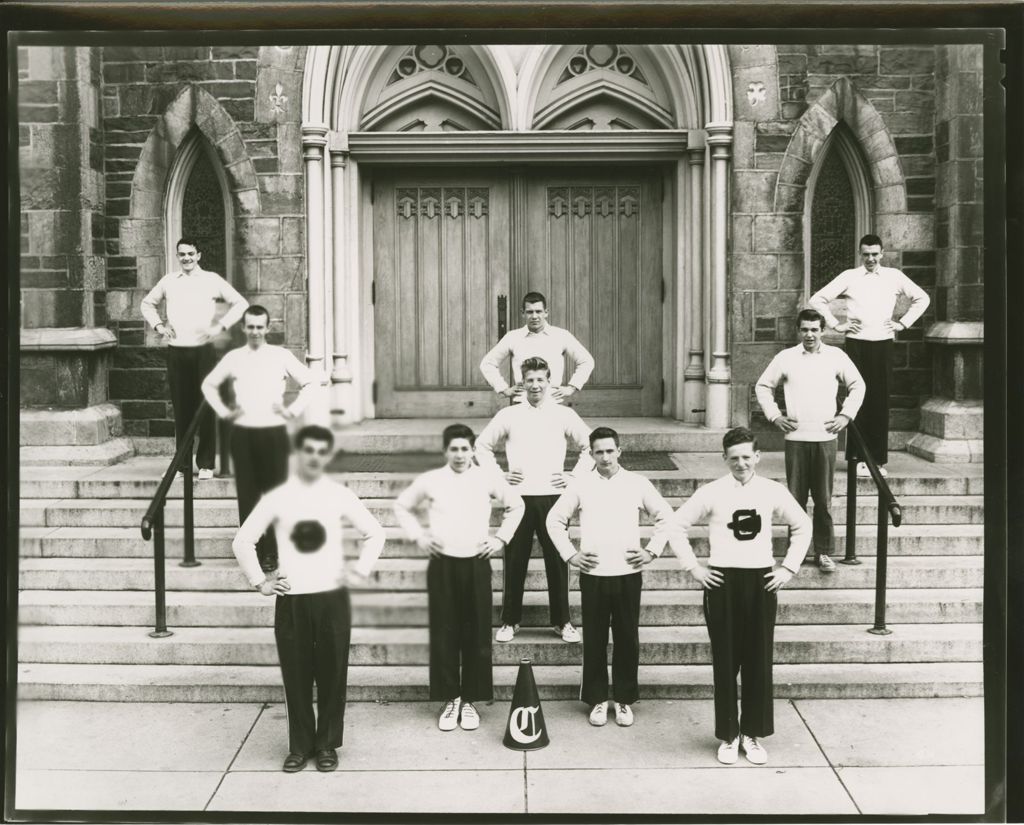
190, 302
551, 343
259, 376
810, 382
535, 440
609, 518
459, 508
307, 520
871, 300
740, 520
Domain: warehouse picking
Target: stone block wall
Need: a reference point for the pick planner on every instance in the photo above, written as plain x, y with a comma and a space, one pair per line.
245, 102
61, 181
787, 101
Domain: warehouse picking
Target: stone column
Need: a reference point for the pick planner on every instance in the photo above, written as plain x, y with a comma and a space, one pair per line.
952, 420
341, 370
719, 373
693, 375
314, 139
65, 415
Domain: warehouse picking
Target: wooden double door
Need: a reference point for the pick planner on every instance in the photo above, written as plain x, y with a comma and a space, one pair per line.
455, 251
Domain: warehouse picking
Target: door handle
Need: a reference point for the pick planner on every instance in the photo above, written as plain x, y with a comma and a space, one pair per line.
502, 316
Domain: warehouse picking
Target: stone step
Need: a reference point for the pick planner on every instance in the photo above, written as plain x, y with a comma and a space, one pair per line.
87, 512
423, 435
109, 452
262, 683
215, 542
200, 646
51, 485
409, 609
410, 574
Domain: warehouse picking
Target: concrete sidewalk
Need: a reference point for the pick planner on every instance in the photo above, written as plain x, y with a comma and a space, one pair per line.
870, 756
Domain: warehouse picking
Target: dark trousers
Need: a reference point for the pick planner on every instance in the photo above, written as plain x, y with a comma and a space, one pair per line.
260, 455
810, 467
740, 615
517, 558
186, 369
313, 631
873, 360
611, 601
459, 603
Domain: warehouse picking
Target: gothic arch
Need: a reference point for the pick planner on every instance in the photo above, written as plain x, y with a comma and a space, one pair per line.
845, 148
193, 146
337, 81
193, 107
841, 102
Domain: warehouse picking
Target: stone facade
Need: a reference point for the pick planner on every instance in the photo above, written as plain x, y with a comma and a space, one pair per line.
102, 131
885, 96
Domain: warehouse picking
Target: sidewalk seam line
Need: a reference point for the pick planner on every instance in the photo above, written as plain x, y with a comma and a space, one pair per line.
827, 759
241, 745
526, 784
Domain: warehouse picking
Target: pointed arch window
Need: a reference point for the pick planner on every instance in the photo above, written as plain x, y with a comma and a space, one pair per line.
838, 209
198, 205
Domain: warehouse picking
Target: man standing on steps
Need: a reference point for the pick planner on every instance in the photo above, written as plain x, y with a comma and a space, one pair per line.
460, 497
535, 435
538, 339
811, 372
313, 612
871, 291
190, 298
610, 559
259, 438
741, 586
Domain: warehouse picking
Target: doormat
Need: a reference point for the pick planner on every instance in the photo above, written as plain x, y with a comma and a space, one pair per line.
421, 462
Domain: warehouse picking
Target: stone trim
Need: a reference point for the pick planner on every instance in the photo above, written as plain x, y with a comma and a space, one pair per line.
843, 102
956, 333
67, 339
463, 147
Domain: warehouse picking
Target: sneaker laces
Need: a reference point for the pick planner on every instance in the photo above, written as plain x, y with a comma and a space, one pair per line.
449, 709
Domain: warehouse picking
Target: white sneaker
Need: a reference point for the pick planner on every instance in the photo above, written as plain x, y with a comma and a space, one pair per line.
882, 470
599, 714
568, 632
205, 473
862, 470
506, 633
729, 751
469, 719
179, 475
449, 718
623, 715
756, 754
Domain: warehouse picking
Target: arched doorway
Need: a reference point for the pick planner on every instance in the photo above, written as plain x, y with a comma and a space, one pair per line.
461, 175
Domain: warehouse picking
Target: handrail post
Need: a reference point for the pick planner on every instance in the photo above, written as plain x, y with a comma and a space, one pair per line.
851, 509
160, 587
881, 557
188, 516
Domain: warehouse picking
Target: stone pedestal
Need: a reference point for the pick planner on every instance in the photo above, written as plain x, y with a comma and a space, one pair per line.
952, 423
65, 417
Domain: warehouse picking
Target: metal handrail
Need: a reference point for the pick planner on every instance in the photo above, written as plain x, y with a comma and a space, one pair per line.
153, 521
887, 506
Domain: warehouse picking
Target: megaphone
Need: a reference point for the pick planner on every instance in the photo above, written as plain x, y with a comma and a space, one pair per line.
525, 730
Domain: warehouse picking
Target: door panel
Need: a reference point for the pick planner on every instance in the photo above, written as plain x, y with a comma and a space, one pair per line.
594, 241
441, 253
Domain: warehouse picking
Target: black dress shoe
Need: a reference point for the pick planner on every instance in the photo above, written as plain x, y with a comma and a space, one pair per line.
294, 762
326, 760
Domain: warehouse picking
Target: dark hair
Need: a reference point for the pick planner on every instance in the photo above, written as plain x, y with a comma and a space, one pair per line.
256, 309
534, 364
738, 435
453, 431
534, 298
187, 242
603, 432
314, 432
810, 315
870, 240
